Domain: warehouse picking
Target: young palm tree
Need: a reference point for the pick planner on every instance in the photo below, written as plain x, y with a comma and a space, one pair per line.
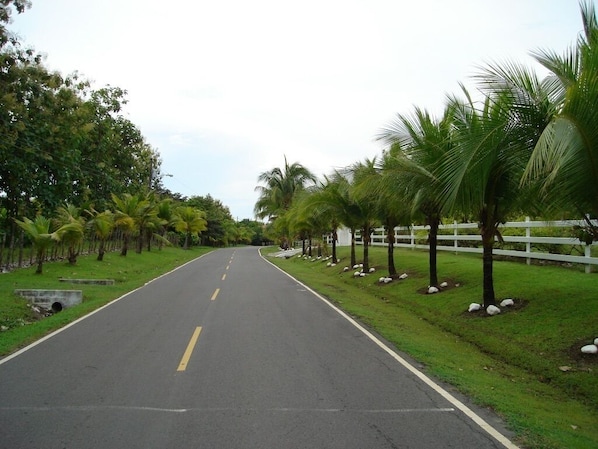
101, 225
565, 159
418, 145
189, 221
389, 200
481, 173
128, 210
41, 235
363, 202
70, 214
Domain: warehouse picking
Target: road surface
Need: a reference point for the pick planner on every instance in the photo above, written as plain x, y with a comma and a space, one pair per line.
225, 352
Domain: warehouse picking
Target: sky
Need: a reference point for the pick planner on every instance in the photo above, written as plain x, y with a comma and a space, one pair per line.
226, 89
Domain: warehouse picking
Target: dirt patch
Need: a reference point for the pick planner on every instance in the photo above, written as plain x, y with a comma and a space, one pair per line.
518, 304
583, 362
450, 284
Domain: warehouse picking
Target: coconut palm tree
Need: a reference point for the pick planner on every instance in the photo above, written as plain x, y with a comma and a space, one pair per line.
363, 202
389, 198
189, 220
40, 232
128, 210
73, 236
101, 225
481, 173
418, 145
280, 188
565, 159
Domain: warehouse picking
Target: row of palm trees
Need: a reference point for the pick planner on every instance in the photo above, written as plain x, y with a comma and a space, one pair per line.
139, 217
528, 146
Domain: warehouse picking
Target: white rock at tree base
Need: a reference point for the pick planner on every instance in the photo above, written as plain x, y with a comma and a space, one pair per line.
432, 290
444, 284
362, 274
403, 276
372, 270
346, 269
589, 349
507, 302
357, 273
381, 279
329, 264
492, 310
474, 306
356, 266
596, 341
387, 280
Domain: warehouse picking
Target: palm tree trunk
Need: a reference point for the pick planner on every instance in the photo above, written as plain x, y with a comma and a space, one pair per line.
366, 249
125, 247
40, 261
433, 251
101, 250
334, 237
390, 238
353, 258
488, 244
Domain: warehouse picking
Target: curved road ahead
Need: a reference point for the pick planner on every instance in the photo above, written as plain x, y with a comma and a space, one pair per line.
225, 352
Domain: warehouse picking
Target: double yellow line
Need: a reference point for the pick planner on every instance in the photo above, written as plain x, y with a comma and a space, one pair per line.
195, 336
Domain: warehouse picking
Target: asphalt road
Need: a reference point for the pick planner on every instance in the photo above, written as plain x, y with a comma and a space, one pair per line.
225, 352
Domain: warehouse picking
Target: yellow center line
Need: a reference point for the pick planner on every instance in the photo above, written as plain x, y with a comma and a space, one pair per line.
189, 350
215, 294
227, 267
224, 276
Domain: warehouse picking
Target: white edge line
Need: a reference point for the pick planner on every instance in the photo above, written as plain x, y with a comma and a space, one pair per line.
78, 320
445, 394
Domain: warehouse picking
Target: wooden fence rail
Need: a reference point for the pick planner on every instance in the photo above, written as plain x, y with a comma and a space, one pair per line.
464, 237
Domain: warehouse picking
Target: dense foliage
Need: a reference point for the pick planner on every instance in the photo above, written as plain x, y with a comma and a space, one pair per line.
65, 142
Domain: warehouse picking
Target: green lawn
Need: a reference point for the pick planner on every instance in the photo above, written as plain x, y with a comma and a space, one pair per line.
129, 273
524, 363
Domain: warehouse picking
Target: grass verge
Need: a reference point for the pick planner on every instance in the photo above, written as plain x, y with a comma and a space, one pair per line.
525, 363
20, 325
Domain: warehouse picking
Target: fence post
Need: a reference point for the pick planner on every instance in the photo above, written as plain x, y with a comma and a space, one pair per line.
412, 236
456, 237
528, 244
588, 254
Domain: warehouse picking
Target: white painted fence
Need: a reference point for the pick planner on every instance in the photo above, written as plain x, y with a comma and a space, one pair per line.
407, 237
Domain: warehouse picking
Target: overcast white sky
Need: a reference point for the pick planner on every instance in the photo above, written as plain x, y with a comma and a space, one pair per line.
224, 89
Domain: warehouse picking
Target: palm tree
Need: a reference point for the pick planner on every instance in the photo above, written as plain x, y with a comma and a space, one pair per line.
70, 214
565, 159
128, 209
41, 235
481, 173
389, 200
102, 225
418, 146
189, 221
363, 203
280, 188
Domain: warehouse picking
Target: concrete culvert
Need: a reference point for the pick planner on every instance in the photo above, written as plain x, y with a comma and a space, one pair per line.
56, 307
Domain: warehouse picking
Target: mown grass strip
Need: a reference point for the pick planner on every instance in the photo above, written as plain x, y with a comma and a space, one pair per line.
512, 363
129, 272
